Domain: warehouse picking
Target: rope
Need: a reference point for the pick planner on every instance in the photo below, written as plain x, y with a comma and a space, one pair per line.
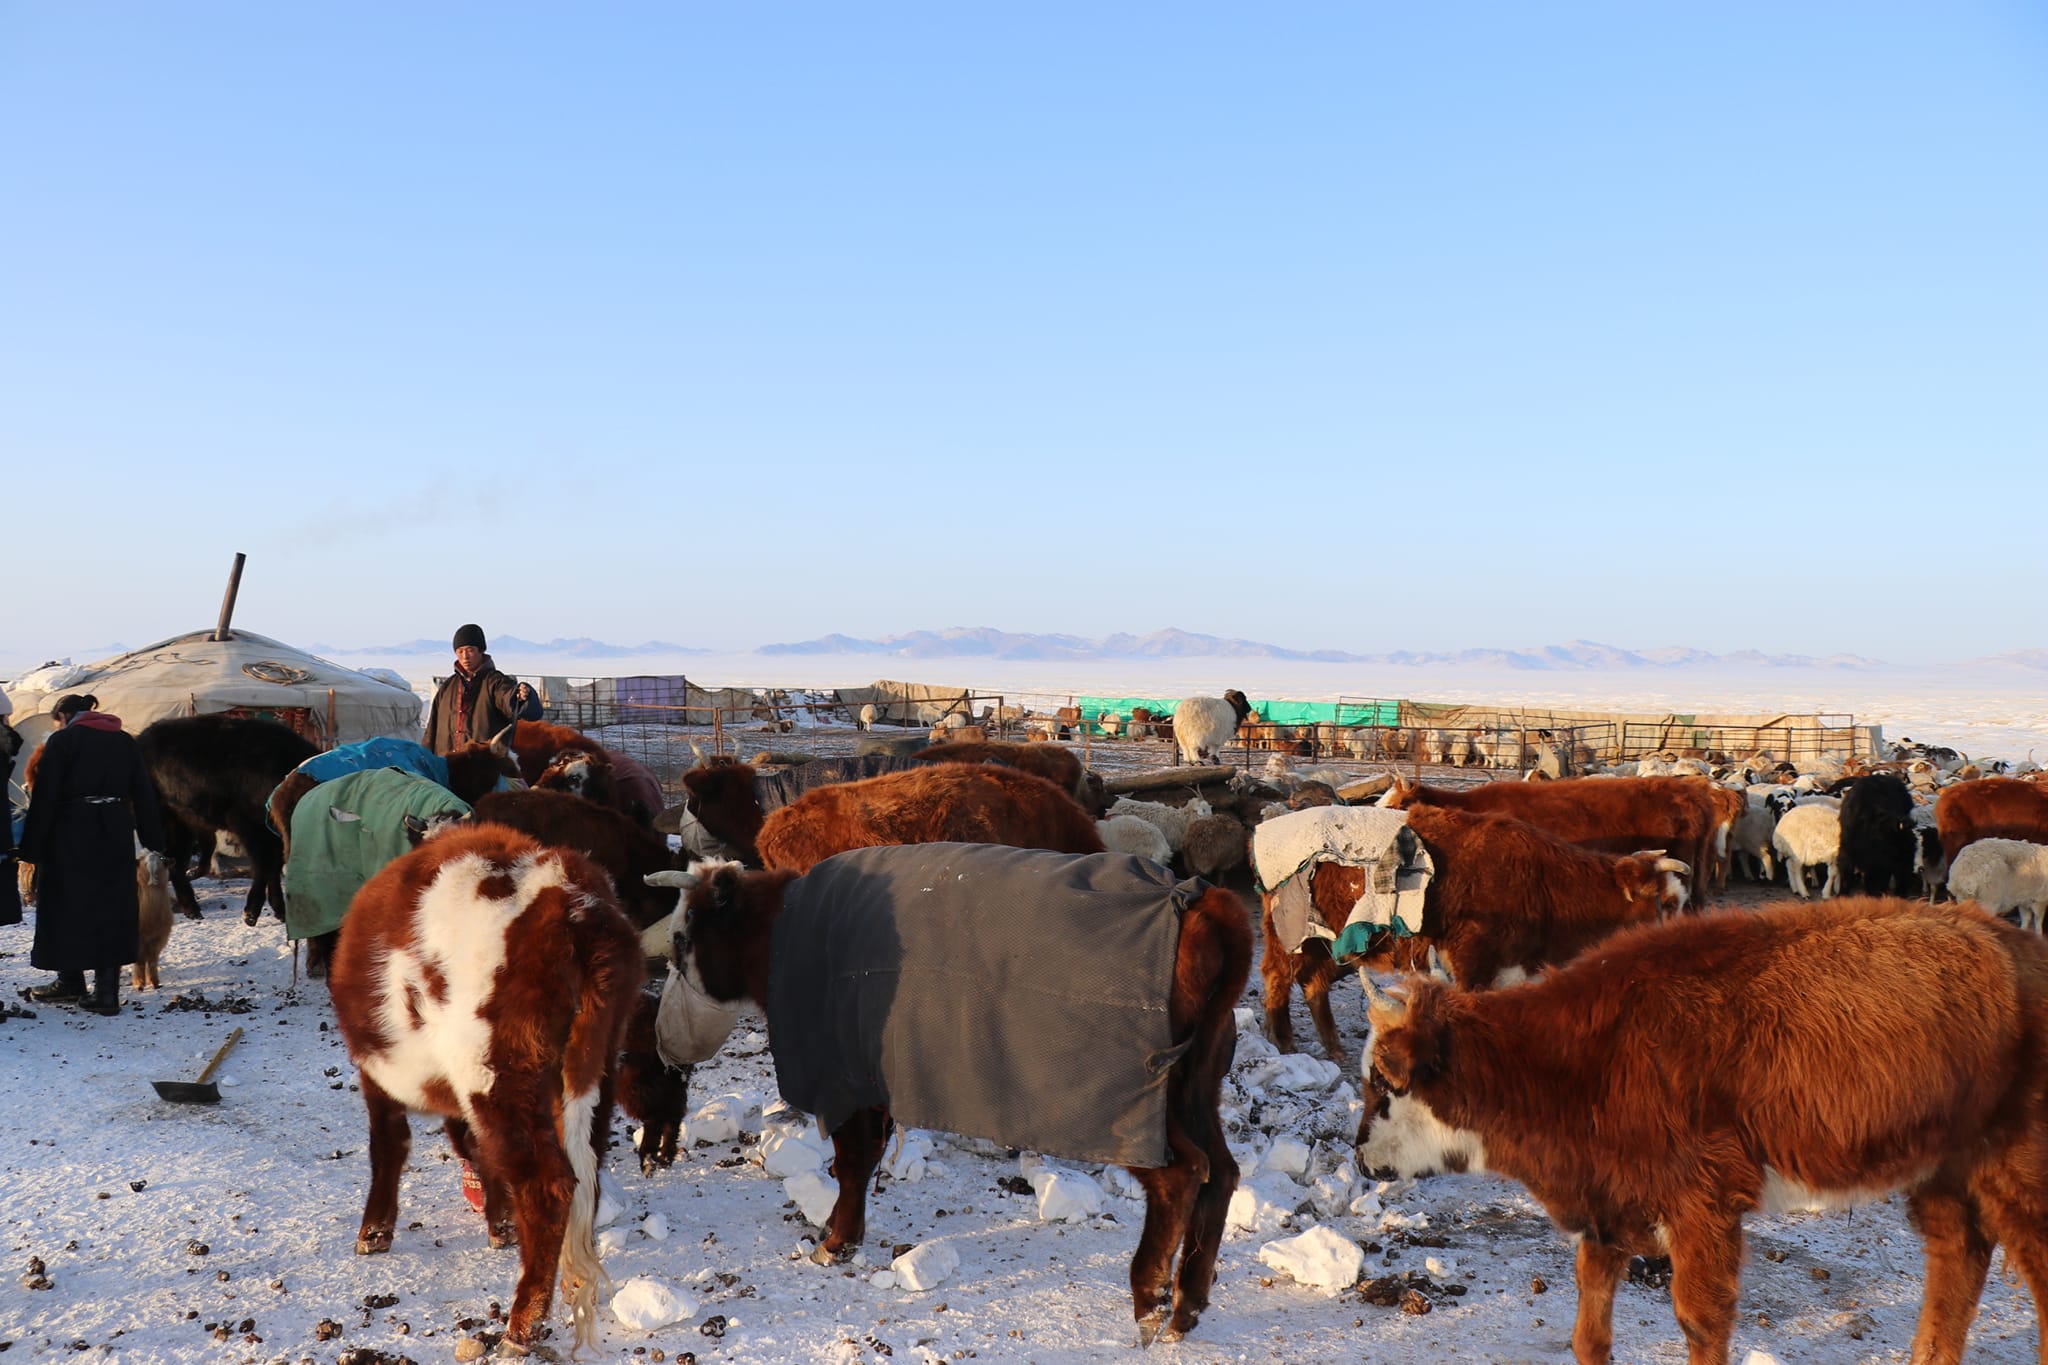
270, 671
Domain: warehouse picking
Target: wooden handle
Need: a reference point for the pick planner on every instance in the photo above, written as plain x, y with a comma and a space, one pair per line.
212, 1066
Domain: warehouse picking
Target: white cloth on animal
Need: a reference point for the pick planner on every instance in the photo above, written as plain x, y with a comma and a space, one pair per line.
1354, 836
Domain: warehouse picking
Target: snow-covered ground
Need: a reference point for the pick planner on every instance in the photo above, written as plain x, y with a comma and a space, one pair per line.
180, 1233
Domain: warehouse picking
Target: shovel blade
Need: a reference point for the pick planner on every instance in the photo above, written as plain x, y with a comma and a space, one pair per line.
187, 1092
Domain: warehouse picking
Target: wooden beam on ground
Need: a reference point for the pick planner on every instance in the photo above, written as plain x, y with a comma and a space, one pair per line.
1168, 777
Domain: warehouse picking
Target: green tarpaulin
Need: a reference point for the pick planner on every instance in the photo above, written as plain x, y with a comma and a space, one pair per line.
1345, 713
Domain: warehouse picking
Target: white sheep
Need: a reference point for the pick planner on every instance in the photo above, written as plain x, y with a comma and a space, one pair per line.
869, 714
2003, 876
1171, 821
1749, 842
1808, 835
1134, 834
1203, 725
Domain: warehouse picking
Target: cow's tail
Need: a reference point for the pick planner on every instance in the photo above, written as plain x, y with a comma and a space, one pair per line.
611, 988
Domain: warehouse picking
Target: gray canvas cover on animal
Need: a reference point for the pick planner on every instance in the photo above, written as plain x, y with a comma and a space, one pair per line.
1012, 994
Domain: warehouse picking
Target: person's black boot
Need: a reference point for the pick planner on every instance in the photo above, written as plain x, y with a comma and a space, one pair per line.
106, 991
68, 986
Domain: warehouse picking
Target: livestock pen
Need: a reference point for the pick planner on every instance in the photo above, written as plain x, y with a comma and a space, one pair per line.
670, 724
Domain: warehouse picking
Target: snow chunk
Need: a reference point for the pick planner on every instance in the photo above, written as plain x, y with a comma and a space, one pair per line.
649, 1305
1321, 1257
1287, 1155
792, 1151
1759, 1358
1293, 1071
610, 1242
883, 1279
1443, 1267
909, 1165
1247, 1019
718, 1121
815, 1193
655, 1225
1066, 1196
610, 1203
1260, 1205
925, 1267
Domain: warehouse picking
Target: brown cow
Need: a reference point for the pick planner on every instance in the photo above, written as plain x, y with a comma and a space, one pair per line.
1990, 808
649, 1089
611, 840
481, 959
634, 787
949, 802
1661, 1086
1055, 763
1615, 814
1505, 896
726, 955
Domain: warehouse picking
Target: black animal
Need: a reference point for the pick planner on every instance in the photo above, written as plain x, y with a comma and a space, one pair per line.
216, 773
1878, 842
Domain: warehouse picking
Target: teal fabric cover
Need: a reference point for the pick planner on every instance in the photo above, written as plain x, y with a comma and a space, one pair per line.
334, 854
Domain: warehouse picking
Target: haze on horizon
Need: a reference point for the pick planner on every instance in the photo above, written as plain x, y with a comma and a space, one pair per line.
1347, 328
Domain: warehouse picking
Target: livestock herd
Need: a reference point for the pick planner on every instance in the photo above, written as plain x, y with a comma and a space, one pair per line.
523, 969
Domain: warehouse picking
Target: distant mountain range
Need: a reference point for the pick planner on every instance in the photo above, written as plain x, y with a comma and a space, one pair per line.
986, 643
582, 647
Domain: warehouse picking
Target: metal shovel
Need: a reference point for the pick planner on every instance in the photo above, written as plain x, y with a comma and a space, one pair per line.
203, 1090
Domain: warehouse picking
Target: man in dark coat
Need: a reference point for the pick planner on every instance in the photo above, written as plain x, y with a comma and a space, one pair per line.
92, 798
476, 701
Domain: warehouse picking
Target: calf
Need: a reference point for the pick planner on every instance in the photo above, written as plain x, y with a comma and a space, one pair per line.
1505, 898
1614, 814
650, 1089
536, 743
729, 799
1655, 1090
1055, 763
946, 803
216, 772
611, 840
1991, 808
152, 918
488, 980
724, 954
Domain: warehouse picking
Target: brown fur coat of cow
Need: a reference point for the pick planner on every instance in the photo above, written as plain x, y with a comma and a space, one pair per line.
1660, 1086
947, 802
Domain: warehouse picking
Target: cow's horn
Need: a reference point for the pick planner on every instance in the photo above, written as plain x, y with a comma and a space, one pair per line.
1673, 865
1374, 996
502, 741
680, 880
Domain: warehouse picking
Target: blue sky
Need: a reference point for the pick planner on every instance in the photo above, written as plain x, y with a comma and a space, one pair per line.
1338, 326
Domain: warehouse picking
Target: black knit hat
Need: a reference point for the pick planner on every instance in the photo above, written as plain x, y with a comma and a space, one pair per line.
470, 635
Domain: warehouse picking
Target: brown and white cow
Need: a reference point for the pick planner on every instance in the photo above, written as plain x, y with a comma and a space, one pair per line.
1680, 1075
1614, 814
724, 955
489, 980
946, 802
1505, 897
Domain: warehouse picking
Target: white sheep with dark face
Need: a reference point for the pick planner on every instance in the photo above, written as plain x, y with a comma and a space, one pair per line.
1203, 725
